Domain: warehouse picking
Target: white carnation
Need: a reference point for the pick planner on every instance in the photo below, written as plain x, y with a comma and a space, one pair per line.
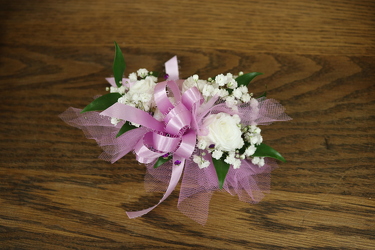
143, 86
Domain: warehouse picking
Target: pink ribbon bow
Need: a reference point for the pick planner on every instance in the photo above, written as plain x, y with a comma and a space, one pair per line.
175, 134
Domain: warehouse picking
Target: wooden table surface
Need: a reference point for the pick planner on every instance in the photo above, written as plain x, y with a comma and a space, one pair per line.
318, 60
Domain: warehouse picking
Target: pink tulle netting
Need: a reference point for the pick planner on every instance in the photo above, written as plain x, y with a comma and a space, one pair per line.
249, 182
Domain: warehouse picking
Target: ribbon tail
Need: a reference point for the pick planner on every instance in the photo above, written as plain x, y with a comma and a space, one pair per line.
175, 177
171, 68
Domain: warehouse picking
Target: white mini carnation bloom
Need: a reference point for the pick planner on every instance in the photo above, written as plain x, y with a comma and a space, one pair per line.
216, 92
152, 78
258, 161
136, 124
121, 90
189, 83
257, 130
142, 72
255, 160
217, 154
237, 93
261, 162
204, 164
133, 77
244, 89
236, 164
232, 84
250, 150
113, 89
223, 93
202, 144
254, 140
230, 102
197, 159
245, 97
221, 80
114, 121
208, 90
230, 159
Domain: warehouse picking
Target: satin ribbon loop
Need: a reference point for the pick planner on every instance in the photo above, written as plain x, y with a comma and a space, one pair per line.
177, 119
131, 114
164, 143
143, 153
187, 144
161, 98
192, 96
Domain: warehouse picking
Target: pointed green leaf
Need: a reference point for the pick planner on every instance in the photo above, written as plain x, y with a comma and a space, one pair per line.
155, 73
221, 170
162, 160
245, 79
125, 128
118, 65
102, 103
266, 151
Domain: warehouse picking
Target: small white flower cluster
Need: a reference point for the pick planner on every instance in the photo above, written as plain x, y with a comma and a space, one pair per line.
139, 94
224, 86
252, 136
202, 163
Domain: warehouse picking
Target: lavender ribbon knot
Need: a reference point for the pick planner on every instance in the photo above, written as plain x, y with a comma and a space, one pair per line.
173, 135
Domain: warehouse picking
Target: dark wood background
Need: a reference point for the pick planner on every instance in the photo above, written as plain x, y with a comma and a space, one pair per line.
318, 59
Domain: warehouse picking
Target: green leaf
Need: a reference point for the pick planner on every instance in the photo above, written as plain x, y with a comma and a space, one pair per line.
162, 160
118, 65
102, 103
266, 151
155, 73
221, 170
125, 128
245, 79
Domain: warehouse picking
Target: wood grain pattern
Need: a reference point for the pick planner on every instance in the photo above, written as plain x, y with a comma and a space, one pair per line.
318, 59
